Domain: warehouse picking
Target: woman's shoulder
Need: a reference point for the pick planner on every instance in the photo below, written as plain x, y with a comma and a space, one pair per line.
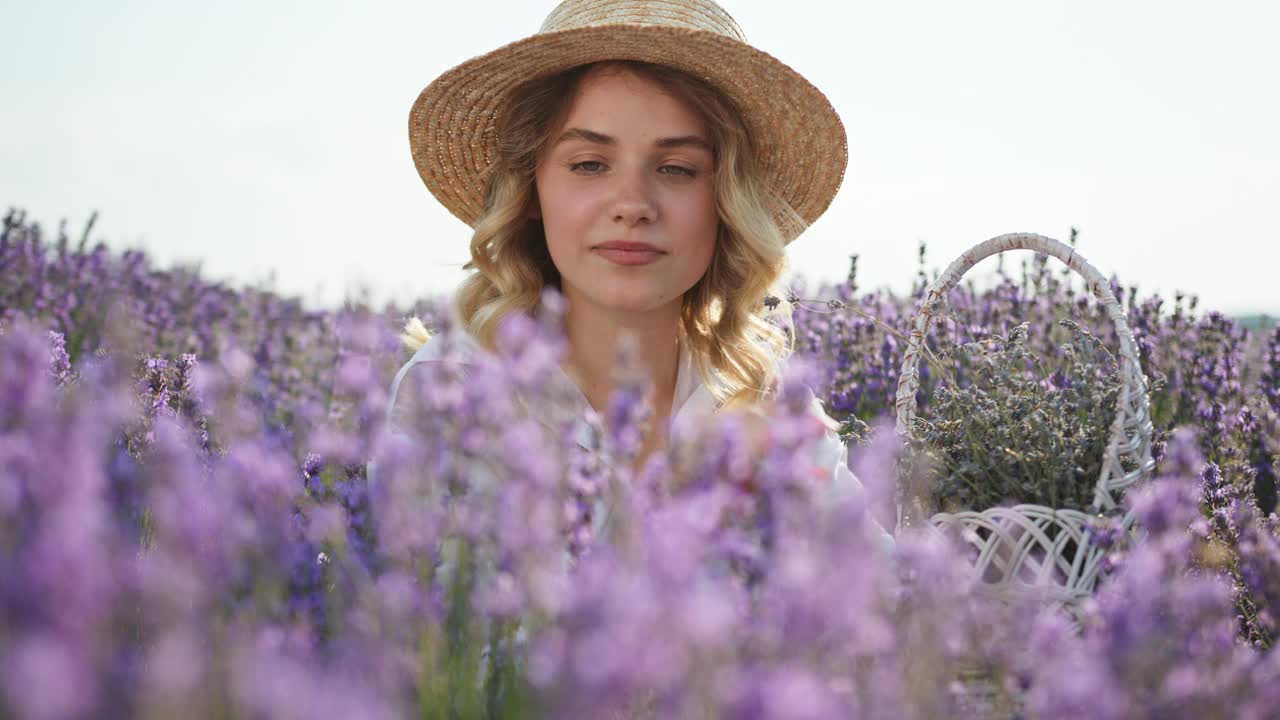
432, 349
453, 346
449, 340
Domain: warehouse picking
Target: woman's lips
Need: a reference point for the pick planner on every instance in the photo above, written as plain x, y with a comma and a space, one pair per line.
628, 253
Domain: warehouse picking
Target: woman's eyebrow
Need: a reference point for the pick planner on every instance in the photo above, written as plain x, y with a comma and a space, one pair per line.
685, 141
592, 136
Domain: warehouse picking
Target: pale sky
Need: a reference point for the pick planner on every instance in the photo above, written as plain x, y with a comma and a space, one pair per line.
271, 137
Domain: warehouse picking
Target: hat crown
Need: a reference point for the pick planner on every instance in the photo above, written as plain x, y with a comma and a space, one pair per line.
701, 15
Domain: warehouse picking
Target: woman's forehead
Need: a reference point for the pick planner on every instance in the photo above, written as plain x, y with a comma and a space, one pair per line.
616, 104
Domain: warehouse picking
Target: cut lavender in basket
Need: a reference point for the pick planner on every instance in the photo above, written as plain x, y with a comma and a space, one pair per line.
1050, 420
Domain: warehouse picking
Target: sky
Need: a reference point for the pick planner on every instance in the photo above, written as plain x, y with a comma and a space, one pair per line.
267, 141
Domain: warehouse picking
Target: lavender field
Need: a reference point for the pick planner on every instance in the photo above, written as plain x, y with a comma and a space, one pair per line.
189, 526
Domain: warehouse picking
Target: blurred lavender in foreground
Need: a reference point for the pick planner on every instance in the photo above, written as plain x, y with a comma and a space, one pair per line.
199, 534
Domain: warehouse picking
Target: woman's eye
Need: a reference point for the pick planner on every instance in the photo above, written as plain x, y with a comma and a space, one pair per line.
587, 166
678, 170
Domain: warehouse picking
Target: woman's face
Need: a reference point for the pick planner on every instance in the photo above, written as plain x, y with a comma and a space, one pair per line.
625, 195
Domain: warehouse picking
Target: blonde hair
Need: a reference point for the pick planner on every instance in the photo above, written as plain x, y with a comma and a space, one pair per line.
723, 322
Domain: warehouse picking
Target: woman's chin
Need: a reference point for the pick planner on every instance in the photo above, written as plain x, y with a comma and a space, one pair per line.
632, 303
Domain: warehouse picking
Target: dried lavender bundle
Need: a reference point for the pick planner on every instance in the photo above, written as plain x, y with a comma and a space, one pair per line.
1025, 429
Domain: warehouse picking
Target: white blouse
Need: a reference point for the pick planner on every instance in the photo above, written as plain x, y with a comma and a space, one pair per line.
693, 399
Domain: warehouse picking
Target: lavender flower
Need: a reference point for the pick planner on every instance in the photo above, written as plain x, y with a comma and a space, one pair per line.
188, 522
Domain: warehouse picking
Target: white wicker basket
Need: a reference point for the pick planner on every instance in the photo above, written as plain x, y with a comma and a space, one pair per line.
1033, 544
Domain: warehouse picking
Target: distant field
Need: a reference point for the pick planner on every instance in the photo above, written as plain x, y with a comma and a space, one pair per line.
1257, 322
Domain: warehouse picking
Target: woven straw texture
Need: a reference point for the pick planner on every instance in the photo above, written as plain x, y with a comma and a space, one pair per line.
798, 136
1033, 544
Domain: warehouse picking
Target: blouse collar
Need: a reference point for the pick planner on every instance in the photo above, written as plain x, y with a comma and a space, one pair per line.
692, 393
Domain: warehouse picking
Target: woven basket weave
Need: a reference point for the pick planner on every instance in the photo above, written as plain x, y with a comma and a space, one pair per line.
1029, 544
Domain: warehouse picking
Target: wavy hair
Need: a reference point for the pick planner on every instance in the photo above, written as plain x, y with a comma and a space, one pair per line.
723, 318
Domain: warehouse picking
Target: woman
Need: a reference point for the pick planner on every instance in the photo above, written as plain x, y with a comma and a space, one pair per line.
644, 160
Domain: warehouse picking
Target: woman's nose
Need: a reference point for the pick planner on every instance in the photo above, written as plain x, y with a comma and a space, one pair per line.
634, 203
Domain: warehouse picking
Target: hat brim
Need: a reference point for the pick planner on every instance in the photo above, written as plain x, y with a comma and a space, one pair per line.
798, 137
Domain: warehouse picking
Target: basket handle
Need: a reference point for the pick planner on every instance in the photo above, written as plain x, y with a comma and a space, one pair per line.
1130, 433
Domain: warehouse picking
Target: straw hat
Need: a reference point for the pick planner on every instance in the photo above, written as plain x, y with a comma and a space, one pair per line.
799, 139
